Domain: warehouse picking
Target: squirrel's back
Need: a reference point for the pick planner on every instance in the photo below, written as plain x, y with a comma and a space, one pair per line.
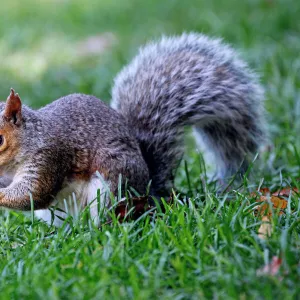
190, 80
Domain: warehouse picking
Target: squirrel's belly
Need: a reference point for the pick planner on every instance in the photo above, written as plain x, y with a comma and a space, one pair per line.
74, 197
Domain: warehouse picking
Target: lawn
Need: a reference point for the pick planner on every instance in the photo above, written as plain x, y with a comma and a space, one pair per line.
206, 247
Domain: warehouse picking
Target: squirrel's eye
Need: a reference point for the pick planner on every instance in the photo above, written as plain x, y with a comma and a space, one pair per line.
1, 140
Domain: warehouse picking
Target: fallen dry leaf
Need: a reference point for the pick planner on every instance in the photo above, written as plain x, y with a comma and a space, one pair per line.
270, 203
136, 206
139, 205
279, 205
272, 268
277, 199
265, 229
285, 192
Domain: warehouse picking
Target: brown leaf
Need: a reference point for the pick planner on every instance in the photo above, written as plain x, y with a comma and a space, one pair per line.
136, 206
277, 199
285, 192
140, 205
264, 191
272, 268
269, 203
279, 204
265, 229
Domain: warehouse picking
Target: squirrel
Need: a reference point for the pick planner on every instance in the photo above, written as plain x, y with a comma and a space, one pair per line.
77, 145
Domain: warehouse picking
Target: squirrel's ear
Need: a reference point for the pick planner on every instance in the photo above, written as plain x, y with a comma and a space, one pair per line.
13, 107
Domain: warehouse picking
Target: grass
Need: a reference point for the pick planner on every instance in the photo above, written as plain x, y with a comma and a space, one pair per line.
205, 248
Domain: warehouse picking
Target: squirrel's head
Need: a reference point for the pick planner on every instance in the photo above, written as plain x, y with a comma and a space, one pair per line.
10, 129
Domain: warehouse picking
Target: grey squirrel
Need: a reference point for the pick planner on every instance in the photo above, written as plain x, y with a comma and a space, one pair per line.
77, 144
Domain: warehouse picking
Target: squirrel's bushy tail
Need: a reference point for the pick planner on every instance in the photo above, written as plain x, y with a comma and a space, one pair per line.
190, 80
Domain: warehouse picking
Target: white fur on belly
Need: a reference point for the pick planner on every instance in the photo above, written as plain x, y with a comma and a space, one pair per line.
74, 197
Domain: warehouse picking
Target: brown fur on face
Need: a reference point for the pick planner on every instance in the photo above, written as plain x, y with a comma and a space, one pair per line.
10, 146
10, 121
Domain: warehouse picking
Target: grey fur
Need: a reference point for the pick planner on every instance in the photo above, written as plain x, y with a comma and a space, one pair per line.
69, 139
190, 80
185, 80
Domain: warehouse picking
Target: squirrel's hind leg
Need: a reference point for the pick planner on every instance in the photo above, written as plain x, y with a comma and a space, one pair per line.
230, 148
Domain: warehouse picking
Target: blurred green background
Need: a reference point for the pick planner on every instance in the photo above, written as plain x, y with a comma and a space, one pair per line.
50, 48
